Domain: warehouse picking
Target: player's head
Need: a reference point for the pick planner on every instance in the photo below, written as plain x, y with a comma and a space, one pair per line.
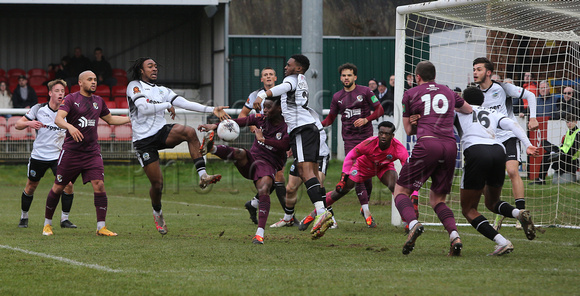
272, 107
88, 82
297, 64
348, 74
425, 72
386, 133
56, 90
144, 68
268, 77
482, 70
473, 96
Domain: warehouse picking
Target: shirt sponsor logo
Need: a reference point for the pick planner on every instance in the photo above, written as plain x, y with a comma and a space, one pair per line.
83, 122
348, 113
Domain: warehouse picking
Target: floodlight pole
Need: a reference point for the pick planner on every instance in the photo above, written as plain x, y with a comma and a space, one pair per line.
312, 47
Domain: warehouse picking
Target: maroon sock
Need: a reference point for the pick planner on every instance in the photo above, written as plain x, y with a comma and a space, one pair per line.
361, 193
446, 216
263, 210
51, 203
101, 205
405, 207
224, 152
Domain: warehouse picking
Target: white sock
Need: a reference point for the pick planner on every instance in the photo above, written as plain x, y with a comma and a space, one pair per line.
412, 224
320, 209
48, 222
366, 210
100, 224
287, 217
255, 202
500, 240
201, 173
453, 235
64, 216
515, 213
157, 214
260, 231
24, 215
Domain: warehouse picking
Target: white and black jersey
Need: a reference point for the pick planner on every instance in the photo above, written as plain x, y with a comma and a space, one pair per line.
146, 125
499, 97
294, 99
49, 137
479, 127
251, 98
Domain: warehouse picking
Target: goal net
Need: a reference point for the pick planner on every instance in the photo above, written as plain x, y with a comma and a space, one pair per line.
533, 44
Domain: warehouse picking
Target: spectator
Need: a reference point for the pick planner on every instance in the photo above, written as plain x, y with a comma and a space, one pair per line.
529, 84
62, 70
24, 95
409, 82
78, 63
373, 86
381, 90
388, 100
496, 78
564, 159
546, 103
5, 97
569, 103
103, 69
508, 80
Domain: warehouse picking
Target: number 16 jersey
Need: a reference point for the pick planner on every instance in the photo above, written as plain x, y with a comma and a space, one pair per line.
479, 127
436, 104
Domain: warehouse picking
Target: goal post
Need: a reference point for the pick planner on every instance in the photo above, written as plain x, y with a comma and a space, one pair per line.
541, 38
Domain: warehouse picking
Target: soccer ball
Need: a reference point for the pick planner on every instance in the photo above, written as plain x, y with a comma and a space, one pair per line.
228, 130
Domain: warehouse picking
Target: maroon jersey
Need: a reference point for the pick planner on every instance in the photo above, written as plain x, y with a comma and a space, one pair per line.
436, 104
83, 113
273, 150
353, 105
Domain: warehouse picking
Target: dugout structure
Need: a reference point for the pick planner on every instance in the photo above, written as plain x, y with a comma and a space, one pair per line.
540, 37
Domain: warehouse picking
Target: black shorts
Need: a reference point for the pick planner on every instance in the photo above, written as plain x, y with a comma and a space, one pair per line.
305, 143
484, 164
322, 166
147, 150
37, 168
512, 149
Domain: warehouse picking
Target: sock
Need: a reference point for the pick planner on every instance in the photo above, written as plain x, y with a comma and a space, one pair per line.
64, 216
255, 202
260, 231
520, 203
446, 217
500, 240
200, 166
516, 213
100, 224
505, 209
281, 194
23, 215
329, 201
25, 202
405, 208
51, 203
369, 187
412, 224
313, 190
157, 213
288, 217
156, 208
319, 206
331, 211
67, 200
366, 210
361, 193
481, 224
47, 221
454, 234
263, 210
213, 150
101, 202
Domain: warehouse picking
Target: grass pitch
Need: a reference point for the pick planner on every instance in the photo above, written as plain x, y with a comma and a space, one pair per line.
208, 249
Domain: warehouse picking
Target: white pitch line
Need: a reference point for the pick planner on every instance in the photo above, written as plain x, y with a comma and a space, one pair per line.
62, 259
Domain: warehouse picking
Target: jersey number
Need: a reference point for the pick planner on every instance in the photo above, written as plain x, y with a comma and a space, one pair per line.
482, 118
435, 103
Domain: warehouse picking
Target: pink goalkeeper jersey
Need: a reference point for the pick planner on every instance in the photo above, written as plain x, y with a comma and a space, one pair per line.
368, 154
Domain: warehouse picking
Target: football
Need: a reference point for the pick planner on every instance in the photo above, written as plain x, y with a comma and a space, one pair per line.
228, 130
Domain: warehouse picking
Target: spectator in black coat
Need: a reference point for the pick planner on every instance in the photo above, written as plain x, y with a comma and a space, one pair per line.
24, 95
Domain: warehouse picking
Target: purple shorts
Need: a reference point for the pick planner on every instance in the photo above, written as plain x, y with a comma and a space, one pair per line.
73, 163
431, 157
257, 168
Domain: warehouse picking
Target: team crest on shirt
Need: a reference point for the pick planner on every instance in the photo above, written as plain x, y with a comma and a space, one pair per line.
390, 157
359, 98
248, 101
354, 172
278, 136
59, 178
160, 91
146, 156
33, 173
495, 94
136, 90
96, 105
